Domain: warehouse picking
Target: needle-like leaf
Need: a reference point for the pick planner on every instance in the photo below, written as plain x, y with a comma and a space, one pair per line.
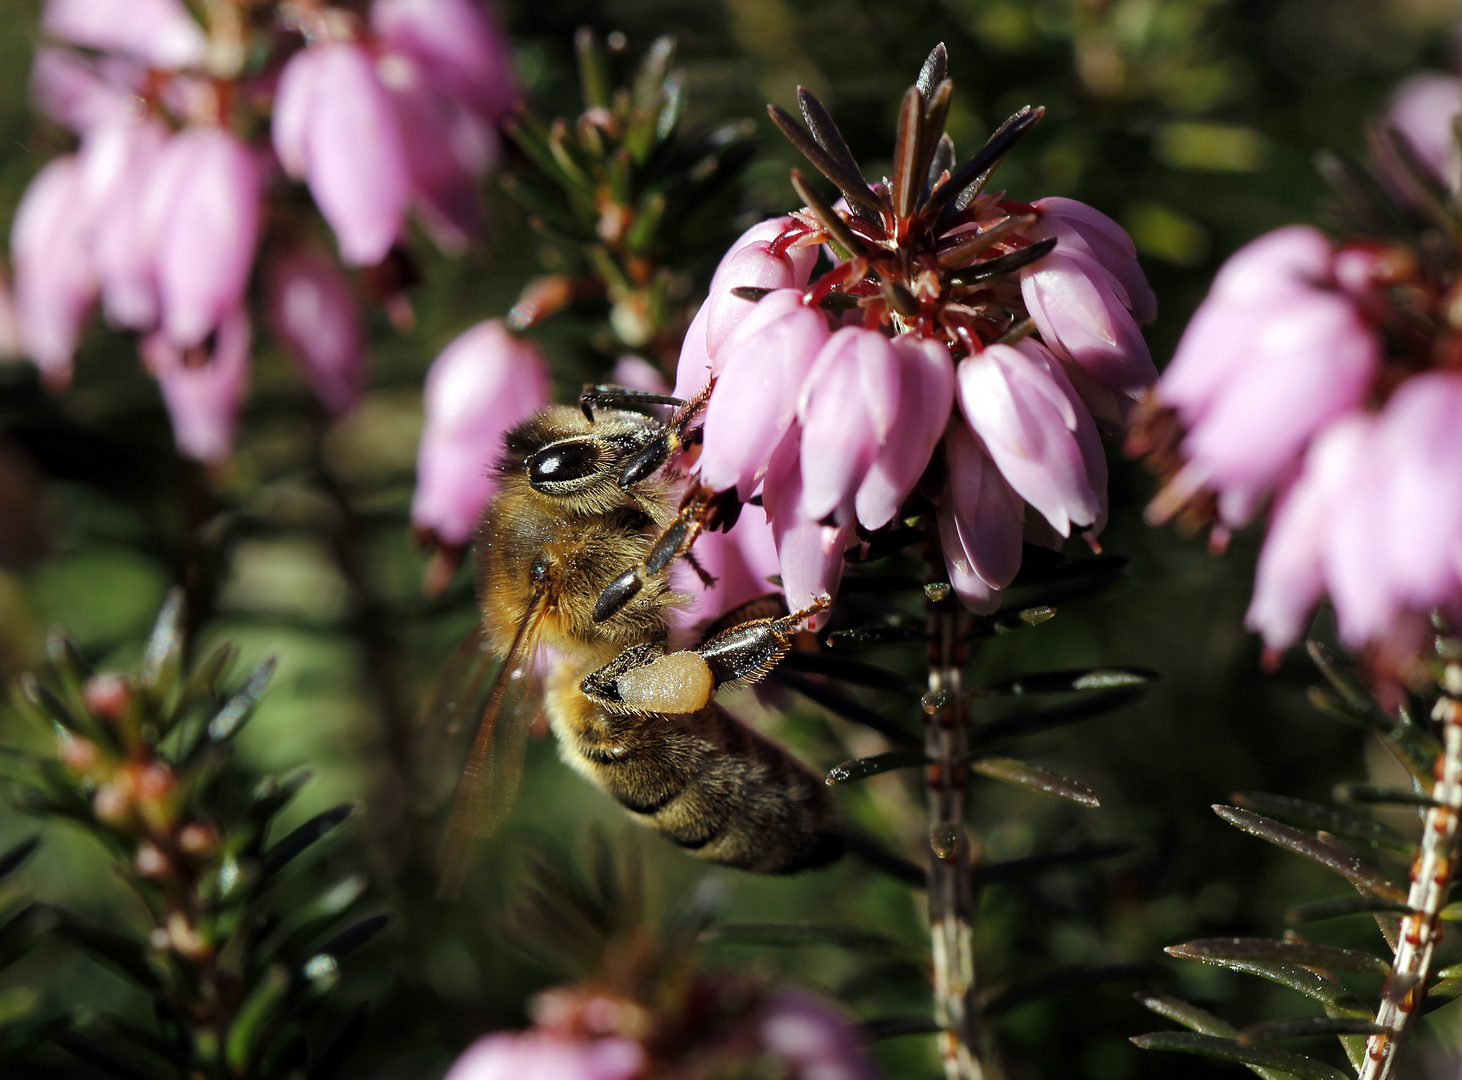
974, 171
1265, 1057
908, 169
862, 768
836, 227
1035, 778
1337, 858
850, 184
1302, 953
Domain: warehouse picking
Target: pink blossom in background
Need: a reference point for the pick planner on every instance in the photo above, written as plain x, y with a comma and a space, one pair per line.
812, 1040
635, 373
81, 93
1274, 353
119, 159
203, 395
543, 1055
55, 283
1424, 110
159, 33
454, 41
335, 127
484, 381
312, 311
207, 192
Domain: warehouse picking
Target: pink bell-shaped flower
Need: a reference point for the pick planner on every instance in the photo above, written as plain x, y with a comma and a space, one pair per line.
456, 43
448, 150
1036, 430
118, 160
809, 553
483, 383
766, 361
84, 92
55, 281
336, 127
847, 408
980, 522
204, 192
312, 311
749, 263
548, 1055
1088, 295
159, 33
741, 560
925, 397
203, 398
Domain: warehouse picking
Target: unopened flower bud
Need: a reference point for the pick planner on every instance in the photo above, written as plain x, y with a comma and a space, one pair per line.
77, 754
107, 695
196, 838
149, 862
112, 802
313, 312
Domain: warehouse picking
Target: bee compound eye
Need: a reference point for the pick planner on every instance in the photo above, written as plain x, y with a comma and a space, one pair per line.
563, 462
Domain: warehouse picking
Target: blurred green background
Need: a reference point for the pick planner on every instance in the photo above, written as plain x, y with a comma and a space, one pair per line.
1192, 122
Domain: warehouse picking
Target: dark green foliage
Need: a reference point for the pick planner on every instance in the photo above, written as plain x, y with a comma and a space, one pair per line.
238, 958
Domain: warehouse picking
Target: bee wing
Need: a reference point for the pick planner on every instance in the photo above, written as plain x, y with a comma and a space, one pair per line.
489, 779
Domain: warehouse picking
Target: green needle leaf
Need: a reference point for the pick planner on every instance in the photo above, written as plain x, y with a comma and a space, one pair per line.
1266, 1057
1337, 858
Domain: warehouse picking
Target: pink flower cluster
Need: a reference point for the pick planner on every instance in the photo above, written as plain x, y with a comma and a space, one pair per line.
1284, 388
835, 422
793, 1035
160, 213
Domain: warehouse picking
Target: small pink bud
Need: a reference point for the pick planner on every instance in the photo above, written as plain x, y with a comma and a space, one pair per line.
809, 553
336, 127
160, 33
107, 696
149, 862
925, 398
1036, 431
313, 312
483, 383
197, 839
203, 395
766, 360
205, 192
456, 43
55, 280
847, 409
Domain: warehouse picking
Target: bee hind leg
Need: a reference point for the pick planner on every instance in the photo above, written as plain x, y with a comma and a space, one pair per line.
744, 653
646, 679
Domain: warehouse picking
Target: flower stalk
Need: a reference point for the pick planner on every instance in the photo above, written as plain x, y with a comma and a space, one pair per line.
1432, 872
946, 742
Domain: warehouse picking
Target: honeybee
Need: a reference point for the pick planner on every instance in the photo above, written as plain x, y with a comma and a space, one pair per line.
570, 556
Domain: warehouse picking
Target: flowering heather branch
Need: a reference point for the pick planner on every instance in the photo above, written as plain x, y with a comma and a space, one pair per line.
175, 189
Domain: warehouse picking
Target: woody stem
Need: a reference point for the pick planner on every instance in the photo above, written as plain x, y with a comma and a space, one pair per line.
1431, 880
956, 1007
